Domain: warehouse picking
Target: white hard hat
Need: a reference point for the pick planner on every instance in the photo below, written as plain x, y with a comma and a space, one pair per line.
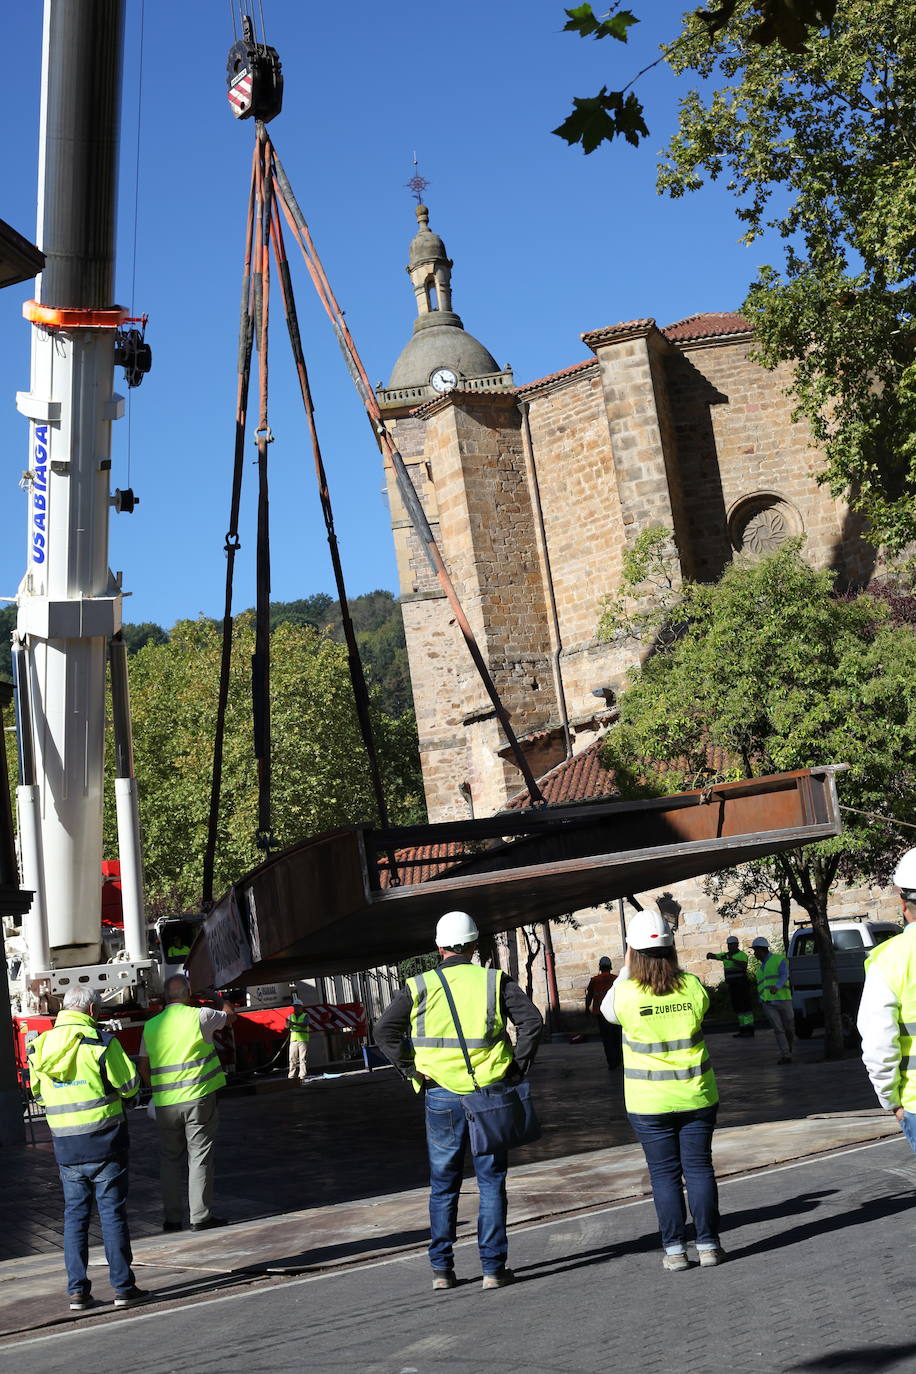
905, 872
455, 928
649, 930
760, 943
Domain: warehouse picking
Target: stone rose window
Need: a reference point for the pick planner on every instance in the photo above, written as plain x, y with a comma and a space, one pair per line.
759, 524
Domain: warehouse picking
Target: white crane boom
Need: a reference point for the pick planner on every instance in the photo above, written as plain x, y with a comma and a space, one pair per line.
69, 615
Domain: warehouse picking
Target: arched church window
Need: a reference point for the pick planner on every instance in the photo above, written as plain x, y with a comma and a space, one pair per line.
432, 295
758, 525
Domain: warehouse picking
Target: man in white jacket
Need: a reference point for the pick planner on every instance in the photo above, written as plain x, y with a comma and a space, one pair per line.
887, 1012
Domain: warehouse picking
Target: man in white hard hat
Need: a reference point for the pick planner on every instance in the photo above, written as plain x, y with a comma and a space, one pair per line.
887, 1012
417, 1033
775, 992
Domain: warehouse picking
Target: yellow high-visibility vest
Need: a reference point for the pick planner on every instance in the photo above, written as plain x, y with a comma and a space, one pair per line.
183, 1065
78, 1077
437, 1049
895, 960
767, 973
665, 1064
299, 1029
734, 965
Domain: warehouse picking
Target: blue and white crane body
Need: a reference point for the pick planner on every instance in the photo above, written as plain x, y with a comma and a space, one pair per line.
69, 602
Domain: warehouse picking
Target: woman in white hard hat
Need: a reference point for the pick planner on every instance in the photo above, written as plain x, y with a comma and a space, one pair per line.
669, 1086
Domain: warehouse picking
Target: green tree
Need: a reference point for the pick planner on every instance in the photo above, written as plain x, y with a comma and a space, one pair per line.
7, 626
320, 776
315, 610
380, 638
146, 632
760, 885
818, 145
620, 114
769, 671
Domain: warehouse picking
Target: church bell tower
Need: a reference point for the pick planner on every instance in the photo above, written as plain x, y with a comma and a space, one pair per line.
455, 417
441, 356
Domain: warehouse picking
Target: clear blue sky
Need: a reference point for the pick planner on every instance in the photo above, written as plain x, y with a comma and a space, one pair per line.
546, 243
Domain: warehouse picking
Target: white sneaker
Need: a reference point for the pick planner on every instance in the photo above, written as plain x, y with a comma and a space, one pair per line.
500, 1280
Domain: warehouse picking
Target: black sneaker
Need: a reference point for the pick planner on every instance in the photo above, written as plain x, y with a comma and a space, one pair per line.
80, 1302
209, 1224
132, 1297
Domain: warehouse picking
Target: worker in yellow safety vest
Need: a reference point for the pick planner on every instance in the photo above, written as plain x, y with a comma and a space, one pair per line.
775, 993
669, 1086
417, 1033
300, 1032
887, 1011
179, 1063
82, 1078
734, 963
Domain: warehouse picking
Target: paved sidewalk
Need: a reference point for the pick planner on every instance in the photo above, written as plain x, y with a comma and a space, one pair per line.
327, 1176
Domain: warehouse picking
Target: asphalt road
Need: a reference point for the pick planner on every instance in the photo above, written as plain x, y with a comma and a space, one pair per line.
819, 1281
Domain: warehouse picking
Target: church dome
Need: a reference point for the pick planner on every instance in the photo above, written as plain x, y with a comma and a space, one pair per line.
437, 344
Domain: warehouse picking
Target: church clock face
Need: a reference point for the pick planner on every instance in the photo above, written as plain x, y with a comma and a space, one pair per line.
443, 379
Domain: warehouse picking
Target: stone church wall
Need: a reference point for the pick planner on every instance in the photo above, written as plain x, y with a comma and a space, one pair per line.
749, 472
693, 435
583, 523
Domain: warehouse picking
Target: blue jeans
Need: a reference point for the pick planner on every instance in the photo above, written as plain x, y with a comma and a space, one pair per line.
908, 1126
678, 1147
107, 1183
446, 1139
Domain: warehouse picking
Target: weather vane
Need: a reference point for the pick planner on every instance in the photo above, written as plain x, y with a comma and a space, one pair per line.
417, 184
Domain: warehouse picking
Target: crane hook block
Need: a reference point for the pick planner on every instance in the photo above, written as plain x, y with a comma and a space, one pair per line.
254, 77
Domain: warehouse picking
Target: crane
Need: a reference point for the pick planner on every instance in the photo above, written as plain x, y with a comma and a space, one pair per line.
69, 602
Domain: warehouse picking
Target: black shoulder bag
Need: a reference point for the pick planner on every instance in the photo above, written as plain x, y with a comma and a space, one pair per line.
500, 1115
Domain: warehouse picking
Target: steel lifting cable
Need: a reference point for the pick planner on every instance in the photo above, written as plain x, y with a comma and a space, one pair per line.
357, 675
296, 220
246, 339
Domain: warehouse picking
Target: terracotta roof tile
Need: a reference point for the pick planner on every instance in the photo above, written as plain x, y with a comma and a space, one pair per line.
712, 325
581, 778
426, 861
555, 376
593, 336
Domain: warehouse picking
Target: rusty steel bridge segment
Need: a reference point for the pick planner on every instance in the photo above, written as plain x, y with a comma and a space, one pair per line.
329, 905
